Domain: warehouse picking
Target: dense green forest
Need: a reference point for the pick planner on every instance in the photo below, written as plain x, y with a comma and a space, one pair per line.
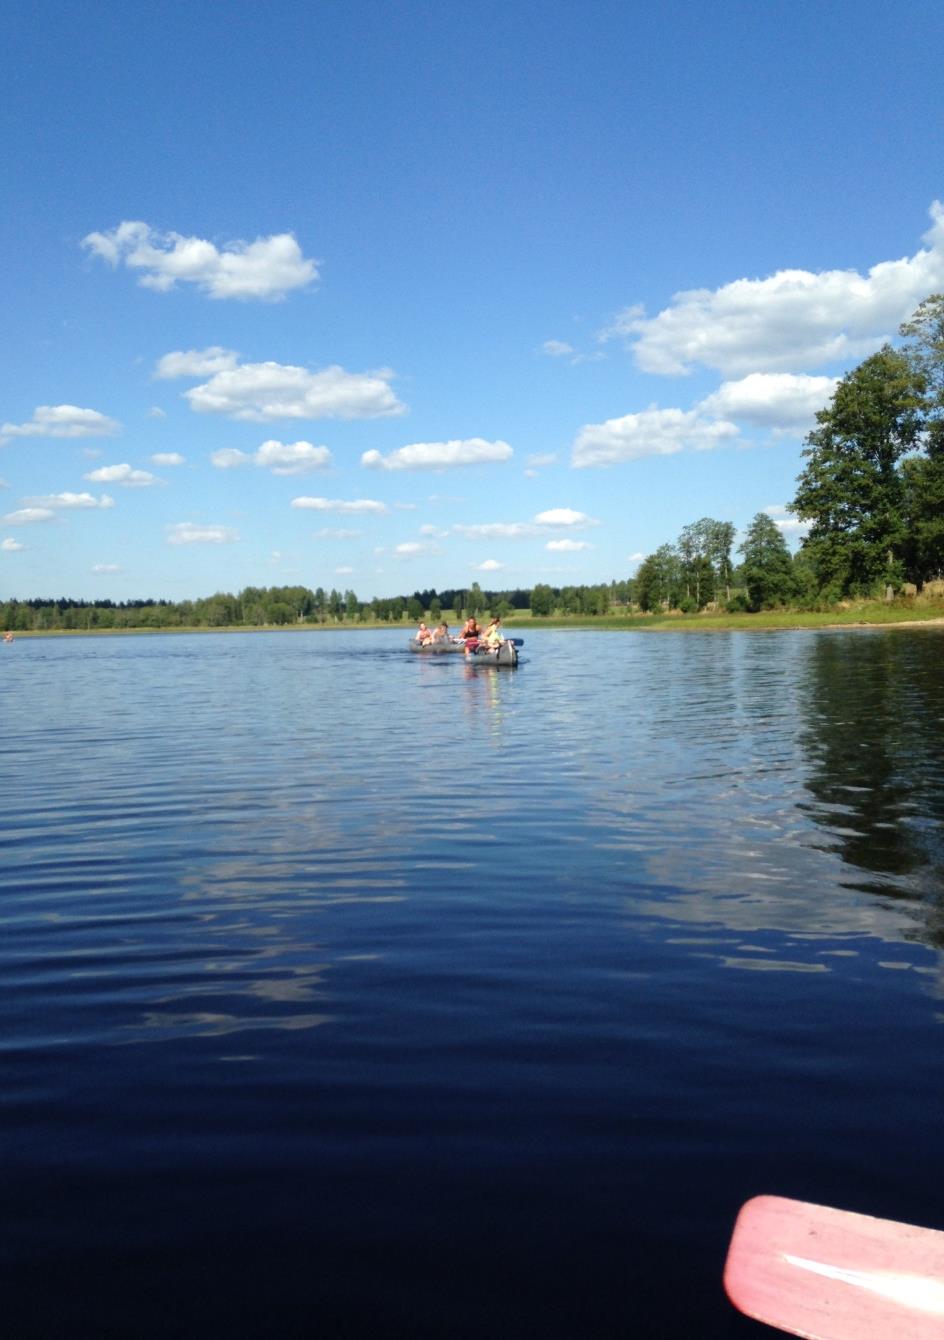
871, 491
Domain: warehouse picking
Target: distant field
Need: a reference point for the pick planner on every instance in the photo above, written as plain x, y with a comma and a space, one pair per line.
853, 614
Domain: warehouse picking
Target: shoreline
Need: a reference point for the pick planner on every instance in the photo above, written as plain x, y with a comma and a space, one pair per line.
681, 624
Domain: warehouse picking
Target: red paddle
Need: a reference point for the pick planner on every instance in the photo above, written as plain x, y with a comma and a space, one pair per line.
833, 1275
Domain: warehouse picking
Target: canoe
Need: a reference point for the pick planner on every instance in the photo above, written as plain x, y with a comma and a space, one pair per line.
437, 648
506, 654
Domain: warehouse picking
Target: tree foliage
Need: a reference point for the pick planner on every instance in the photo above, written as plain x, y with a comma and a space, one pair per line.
767, 571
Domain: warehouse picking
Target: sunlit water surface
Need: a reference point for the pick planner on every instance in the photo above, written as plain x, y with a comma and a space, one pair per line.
352, 992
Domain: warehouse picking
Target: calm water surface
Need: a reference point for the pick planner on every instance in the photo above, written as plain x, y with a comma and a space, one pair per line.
348, 992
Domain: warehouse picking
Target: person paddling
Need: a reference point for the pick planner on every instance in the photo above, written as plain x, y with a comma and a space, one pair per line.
470, 634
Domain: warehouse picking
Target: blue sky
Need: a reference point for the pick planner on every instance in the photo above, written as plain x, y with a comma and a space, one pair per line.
395, 295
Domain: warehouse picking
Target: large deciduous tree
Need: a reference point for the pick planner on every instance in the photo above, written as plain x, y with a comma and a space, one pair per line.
851, 489
924, 475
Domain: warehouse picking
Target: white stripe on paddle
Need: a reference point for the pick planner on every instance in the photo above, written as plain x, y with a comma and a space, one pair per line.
916, 1291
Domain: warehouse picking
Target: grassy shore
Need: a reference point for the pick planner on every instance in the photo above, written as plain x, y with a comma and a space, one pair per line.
859, 614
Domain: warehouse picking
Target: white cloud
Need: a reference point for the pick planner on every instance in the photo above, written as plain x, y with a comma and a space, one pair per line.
340, 505
196, 362
564, 516
62, 421
229, 458
26, 516
439, 455
490, 565
155, 412
168, 458
652, 432
412, 547
292, 458
635, 558
337, 533
538, 459
262, 392
71, 500
567, 546
435, 532
10, 546
188, 532
343, 571
122, 474
105, 569
792, 320
4, 483
266, 269
785, 522
561, 349
784, 401
496, 530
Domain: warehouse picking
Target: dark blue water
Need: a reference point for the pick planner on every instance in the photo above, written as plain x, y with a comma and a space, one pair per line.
351, 993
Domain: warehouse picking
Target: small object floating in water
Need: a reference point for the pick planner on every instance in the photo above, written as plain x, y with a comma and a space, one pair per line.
8, 637
833, 1275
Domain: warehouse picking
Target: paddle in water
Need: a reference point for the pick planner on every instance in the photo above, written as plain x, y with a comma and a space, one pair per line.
833, 1275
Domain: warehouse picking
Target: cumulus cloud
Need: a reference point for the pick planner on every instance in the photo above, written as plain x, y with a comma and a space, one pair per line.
539, 459
412, 547
122, 474
292, 458
282, 458
567, 546
525, 530
229, 458
791, 320
62, 421
105, 569
785, 522
337, 533
10, 546
262, 392
266, 269
155, 412
564, 516
340, 505
783, 401
343, 571
652, 432
490, 565
70, 500
556, 348
27, 516
189, 532
168, 458
439, 455
196, 362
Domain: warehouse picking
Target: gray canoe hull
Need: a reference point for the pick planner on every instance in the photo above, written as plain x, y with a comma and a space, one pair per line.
507, 653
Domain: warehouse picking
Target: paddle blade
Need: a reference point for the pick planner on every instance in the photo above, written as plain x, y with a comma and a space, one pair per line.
833, 1275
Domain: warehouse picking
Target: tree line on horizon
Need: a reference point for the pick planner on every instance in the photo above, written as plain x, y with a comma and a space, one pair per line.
872, 491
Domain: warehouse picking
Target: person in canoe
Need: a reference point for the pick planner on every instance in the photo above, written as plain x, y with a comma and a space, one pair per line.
471, 632
493, 635
423, 635
441, 632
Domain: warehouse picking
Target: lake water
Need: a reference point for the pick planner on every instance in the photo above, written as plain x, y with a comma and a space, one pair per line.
348, 992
